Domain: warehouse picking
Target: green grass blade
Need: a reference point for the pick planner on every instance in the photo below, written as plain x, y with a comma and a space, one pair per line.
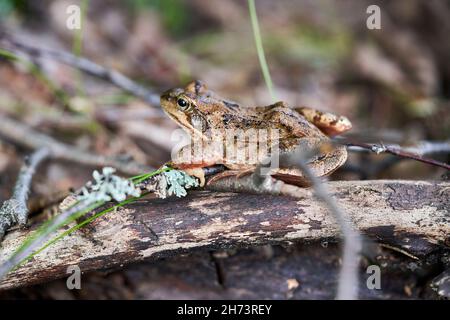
260, 49
77, 46
48, 228
83, 223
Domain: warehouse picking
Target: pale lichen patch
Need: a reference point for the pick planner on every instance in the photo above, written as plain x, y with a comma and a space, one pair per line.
172, 246
252, 212
211, 206
216, 226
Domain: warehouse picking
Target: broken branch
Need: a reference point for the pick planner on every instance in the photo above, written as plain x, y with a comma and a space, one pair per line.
411, 215
24, 135
406, 153
82, 64
15, 209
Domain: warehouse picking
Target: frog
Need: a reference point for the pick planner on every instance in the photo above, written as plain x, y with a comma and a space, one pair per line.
208, 118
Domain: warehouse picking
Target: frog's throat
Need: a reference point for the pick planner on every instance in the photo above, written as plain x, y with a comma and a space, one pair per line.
191, 130
196, 129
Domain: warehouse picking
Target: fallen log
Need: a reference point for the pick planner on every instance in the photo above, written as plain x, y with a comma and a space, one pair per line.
412, 216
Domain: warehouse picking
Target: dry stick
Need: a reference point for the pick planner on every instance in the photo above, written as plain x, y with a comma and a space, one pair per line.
421, 148
429, 147
348, 280
405, 153
43, 237
22, 134
79, 207
153, 228
15, 210
82, 64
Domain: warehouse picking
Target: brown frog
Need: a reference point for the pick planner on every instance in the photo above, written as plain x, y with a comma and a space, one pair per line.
210, 119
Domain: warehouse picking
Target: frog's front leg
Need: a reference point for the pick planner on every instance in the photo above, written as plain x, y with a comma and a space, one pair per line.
196, 172
327, 122
193, 158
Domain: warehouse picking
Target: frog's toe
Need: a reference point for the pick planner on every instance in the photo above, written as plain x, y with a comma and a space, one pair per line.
197, 173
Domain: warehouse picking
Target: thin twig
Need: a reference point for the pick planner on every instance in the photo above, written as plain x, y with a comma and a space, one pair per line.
429, 147
348, 279
43, 237
83, 64
106, 187
404, 153
15, 209
24, 135
256, 183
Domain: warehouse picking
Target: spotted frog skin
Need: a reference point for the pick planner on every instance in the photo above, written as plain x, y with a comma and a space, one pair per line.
206, 116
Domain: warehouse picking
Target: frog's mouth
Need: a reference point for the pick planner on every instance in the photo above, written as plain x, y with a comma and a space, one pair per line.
188, 123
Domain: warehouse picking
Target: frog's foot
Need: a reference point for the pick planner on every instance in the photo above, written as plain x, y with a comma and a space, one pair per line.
327, 122
229, 173
197, 173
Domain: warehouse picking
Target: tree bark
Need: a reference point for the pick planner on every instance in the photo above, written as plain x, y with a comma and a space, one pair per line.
412, 216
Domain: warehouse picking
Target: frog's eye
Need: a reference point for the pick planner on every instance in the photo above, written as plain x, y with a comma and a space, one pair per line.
183, 104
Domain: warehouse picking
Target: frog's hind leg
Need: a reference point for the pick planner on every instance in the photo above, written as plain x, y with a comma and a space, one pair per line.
327, 122
297, 179
292, 121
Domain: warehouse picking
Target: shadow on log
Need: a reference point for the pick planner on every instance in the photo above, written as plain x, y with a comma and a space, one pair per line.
412, 216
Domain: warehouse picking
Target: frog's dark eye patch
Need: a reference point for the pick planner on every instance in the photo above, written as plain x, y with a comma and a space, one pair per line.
183, 104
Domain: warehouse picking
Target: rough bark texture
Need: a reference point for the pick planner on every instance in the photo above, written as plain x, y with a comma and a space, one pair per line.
297, 271
411, 216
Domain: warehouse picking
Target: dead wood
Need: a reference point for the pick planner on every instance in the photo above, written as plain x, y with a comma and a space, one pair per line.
412, 216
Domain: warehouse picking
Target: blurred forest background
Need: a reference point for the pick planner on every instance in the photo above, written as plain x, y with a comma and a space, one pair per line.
393, 84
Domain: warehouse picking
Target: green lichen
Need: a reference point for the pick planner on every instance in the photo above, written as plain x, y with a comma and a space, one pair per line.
107, 186
178, 181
